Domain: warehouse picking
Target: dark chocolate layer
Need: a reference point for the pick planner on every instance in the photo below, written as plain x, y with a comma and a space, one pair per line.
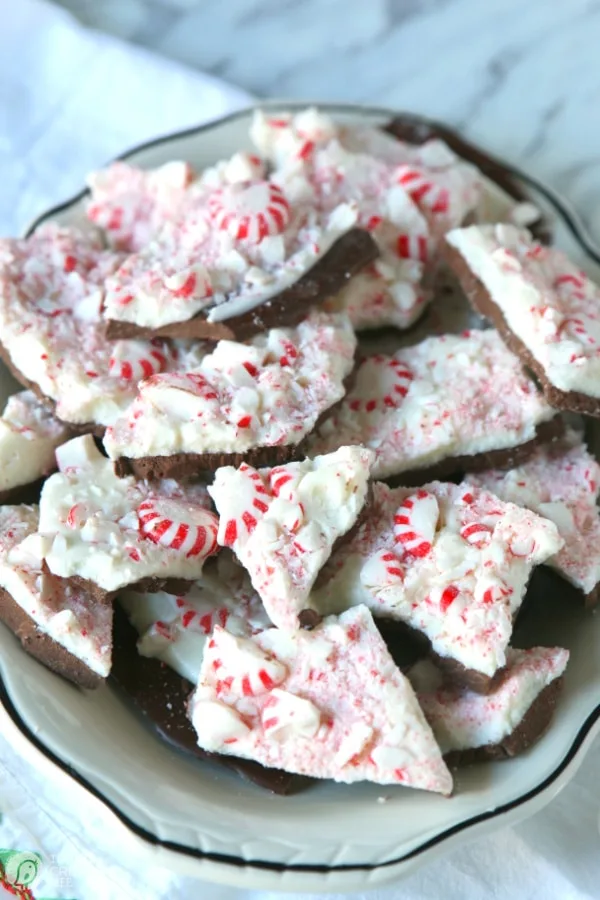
22, 493
480, 298
42, 647
344, 259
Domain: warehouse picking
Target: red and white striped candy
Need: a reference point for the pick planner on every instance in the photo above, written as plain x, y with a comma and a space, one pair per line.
382, 383
241, 667
204, 622
477, 534
571, 284
413, 246
189, 530
425, 192
415, 524
578, 328
247, 502
250, 212
134, 360
382, 570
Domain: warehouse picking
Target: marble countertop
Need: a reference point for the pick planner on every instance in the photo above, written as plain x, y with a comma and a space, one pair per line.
522, 79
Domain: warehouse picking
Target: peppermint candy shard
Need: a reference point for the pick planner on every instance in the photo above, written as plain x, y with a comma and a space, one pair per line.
383, 382
178, 526
136, 360
250, 212
415, 524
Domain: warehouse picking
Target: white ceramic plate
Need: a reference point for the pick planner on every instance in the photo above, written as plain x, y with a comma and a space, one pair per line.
199, 818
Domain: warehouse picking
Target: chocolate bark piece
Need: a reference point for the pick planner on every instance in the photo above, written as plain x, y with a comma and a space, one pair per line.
184, 466
42, 647
83, 428
456, 466
344, 259
161, 696
481, 300
529, 730
414, 129
471, 679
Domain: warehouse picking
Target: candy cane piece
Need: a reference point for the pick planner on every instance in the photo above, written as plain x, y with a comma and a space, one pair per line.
250, 212
190, 531
415, 524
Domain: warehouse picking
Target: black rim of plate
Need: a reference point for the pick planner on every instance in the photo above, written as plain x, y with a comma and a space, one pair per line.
580, 234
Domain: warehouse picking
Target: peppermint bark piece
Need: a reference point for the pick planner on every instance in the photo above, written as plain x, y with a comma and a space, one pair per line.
108, 532
233, 255
546, 309
29, 434
175, 629
470, 727
561, 482
448, 404
65, 628
329, 703
406, 196
283, 523
450, 561
52, 335
256, 402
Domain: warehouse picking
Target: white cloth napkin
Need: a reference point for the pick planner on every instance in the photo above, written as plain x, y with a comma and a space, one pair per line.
70, 100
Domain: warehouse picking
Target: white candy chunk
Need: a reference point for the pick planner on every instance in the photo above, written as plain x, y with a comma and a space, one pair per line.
448, 396
526, 280
329, 717
459, 582
116, 531
217, 725
75, 622
288, 714
282, 523
561, 482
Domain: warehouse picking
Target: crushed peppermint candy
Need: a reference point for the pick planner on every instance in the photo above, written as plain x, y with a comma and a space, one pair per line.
453, 395
115, 531
561, 482
416, 559
267, 393
282, 523
328, 703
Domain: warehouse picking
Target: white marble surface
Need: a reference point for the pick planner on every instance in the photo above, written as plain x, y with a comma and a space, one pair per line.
521, 78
